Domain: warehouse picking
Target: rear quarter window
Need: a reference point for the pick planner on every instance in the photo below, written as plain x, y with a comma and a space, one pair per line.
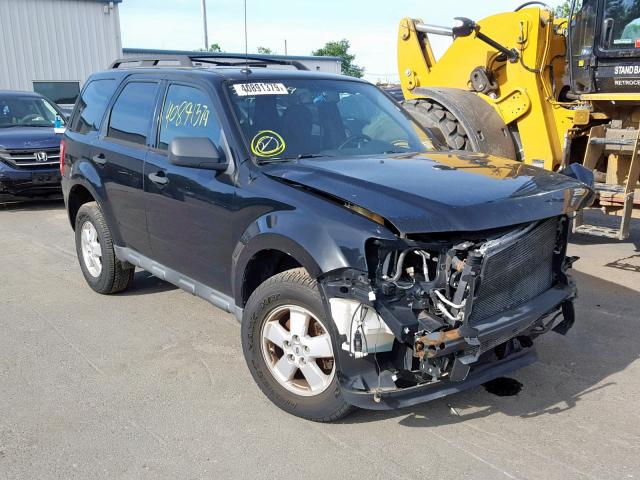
92, 104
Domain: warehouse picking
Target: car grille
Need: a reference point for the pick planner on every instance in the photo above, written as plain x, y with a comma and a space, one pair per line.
516, 273
32, 158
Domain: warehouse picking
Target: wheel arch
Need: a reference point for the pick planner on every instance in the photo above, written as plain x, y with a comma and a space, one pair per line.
79, 194
264, 256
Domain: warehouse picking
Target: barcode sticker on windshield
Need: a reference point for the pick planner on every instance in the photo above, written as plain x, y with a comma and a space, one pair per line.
245, 89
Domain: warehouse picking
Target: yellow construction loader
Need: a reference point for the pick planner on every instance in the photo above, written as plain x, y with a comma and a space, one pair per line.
543, 90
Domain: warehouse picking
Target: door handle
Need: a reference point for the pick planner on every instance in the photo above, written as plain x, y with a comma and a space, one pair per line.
100, 159
158, 178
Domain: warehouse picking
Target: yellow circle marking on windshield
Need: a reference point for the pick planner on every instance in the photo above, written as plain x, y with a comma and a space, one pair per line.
267, 143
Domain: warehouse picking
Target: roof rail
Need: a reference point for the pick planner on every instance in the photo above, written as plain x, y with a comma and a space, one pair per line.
191, 61
145, 61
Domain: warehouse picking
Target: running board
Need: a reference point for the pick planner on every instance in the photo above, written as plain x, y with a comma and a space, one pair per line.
187, 284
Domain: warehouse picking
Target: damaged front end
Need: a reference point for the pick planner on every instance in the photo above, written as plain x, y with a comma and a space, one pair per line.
436, 314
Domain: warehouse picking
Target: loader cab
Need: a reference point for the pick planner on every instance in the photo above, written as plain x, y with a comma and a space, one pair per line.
604, 46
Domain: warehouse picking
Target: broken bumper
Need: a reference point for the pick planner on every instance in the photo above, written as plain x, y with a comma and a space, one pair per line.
407, 397
368, 385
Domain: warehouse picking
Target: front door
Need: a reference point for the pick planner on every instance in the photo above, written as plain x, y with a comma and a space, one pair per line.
119, 155
189, 209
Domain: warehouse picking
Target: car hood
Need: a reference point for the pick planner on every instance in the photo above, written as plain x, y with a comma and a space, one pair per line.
19, 138
439, 192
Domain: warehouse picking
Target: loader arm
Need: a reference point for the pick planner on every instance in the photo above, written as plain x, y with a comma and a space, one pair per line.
524, 91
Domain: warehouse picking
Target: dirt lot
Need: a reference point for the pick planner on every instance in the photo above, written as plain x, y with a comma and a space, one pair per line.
152, 384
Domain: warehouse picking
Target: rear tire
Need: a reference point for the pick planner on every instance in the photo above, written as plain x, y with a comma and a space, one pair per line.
279, 367
101, 269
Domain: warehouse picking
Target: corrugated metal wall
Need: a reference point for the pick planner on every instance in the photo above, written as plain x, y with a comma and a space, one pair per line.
55, 40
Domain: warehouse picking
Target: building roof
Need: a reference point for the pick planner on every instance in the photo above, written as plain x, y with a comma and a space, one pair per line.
152, 51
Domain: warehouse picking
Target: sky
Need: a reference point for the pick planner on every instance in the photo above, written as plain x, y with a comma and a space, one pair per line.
371, 26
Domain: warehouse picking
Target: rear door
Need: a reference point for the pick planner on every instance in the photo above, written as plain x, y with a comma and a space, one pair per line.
83, 127
189, 210
119, 154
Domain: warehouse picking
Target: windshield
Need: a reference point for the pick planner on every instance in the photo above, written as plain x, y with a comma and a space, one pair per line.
18, 111
621, 25
298, 118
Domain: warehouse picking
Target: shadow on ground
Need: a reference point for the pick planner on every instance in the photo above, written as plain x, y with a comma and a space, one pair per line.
55, 203
145, 283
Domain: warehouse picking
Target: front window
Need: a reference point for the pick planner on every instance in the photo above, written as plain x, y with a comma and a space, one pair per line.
621, 25
16, 111
187, 112
297, 118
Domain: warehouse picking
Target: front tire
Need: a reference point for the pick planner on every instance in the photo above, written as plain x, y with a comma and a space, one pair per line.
101, 269
289, 349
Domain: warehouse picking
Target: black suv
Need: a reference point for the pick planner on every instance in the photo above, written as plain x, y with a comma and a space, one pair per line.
368, 266
30, 131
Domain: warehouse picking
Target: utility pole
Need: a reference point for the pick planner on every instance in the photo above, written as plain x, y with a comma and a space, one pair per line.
204, 24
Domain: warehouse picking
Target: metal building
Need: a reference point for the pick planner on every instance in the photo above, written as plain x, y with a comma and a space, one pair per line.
52, 46
320, 64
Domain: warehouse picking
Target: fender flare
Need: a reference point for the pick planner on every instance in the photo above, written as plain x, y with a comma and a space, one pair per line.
485, 129
84, 174
243, 253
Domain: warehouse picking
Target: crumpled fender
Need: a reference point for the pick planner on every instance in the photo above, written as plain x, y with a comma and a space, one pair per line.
320, 243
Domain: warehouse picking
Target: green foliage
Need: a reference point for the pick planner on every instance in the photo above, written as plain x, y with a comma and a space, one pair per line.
341, 49
265, 50
214, 48
562, 10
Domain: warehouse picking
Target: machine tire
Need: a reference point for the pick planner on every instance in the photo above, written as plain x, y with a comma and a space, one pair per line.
114, 276
464, 120
290, 288
441, 122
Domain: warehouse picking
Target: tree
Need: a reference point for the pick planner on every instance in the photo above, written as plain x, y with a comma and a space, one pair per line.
341, 49
214, 48
563, 10
265, 51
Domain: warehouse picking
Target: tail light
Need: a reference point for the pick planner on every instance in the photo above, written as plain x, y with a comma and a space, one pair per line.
62, 157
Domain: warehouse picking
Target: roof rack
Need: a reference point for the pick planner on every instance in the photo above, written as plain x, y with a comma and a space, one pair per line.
191, 61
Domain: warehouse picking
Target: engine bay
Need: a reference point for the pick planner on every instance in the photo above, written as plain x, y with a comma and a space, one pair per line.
427, 308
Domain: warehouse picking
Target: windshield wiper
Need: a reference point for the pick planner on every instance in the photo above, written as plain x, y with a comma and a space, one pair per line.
265, 161
310, 155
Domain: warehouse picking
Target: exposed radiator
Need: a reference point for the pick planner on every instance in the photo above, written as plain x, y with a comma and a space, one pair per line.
517, 273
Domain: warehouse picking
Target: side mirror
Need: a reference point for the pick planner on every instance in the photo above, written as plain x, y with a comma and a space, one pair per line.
463, 27
196, 152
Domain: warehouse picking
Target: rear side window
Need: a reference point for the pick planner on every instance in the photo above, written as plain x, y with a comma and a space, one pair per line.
92, 105
132, 112
187, 112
